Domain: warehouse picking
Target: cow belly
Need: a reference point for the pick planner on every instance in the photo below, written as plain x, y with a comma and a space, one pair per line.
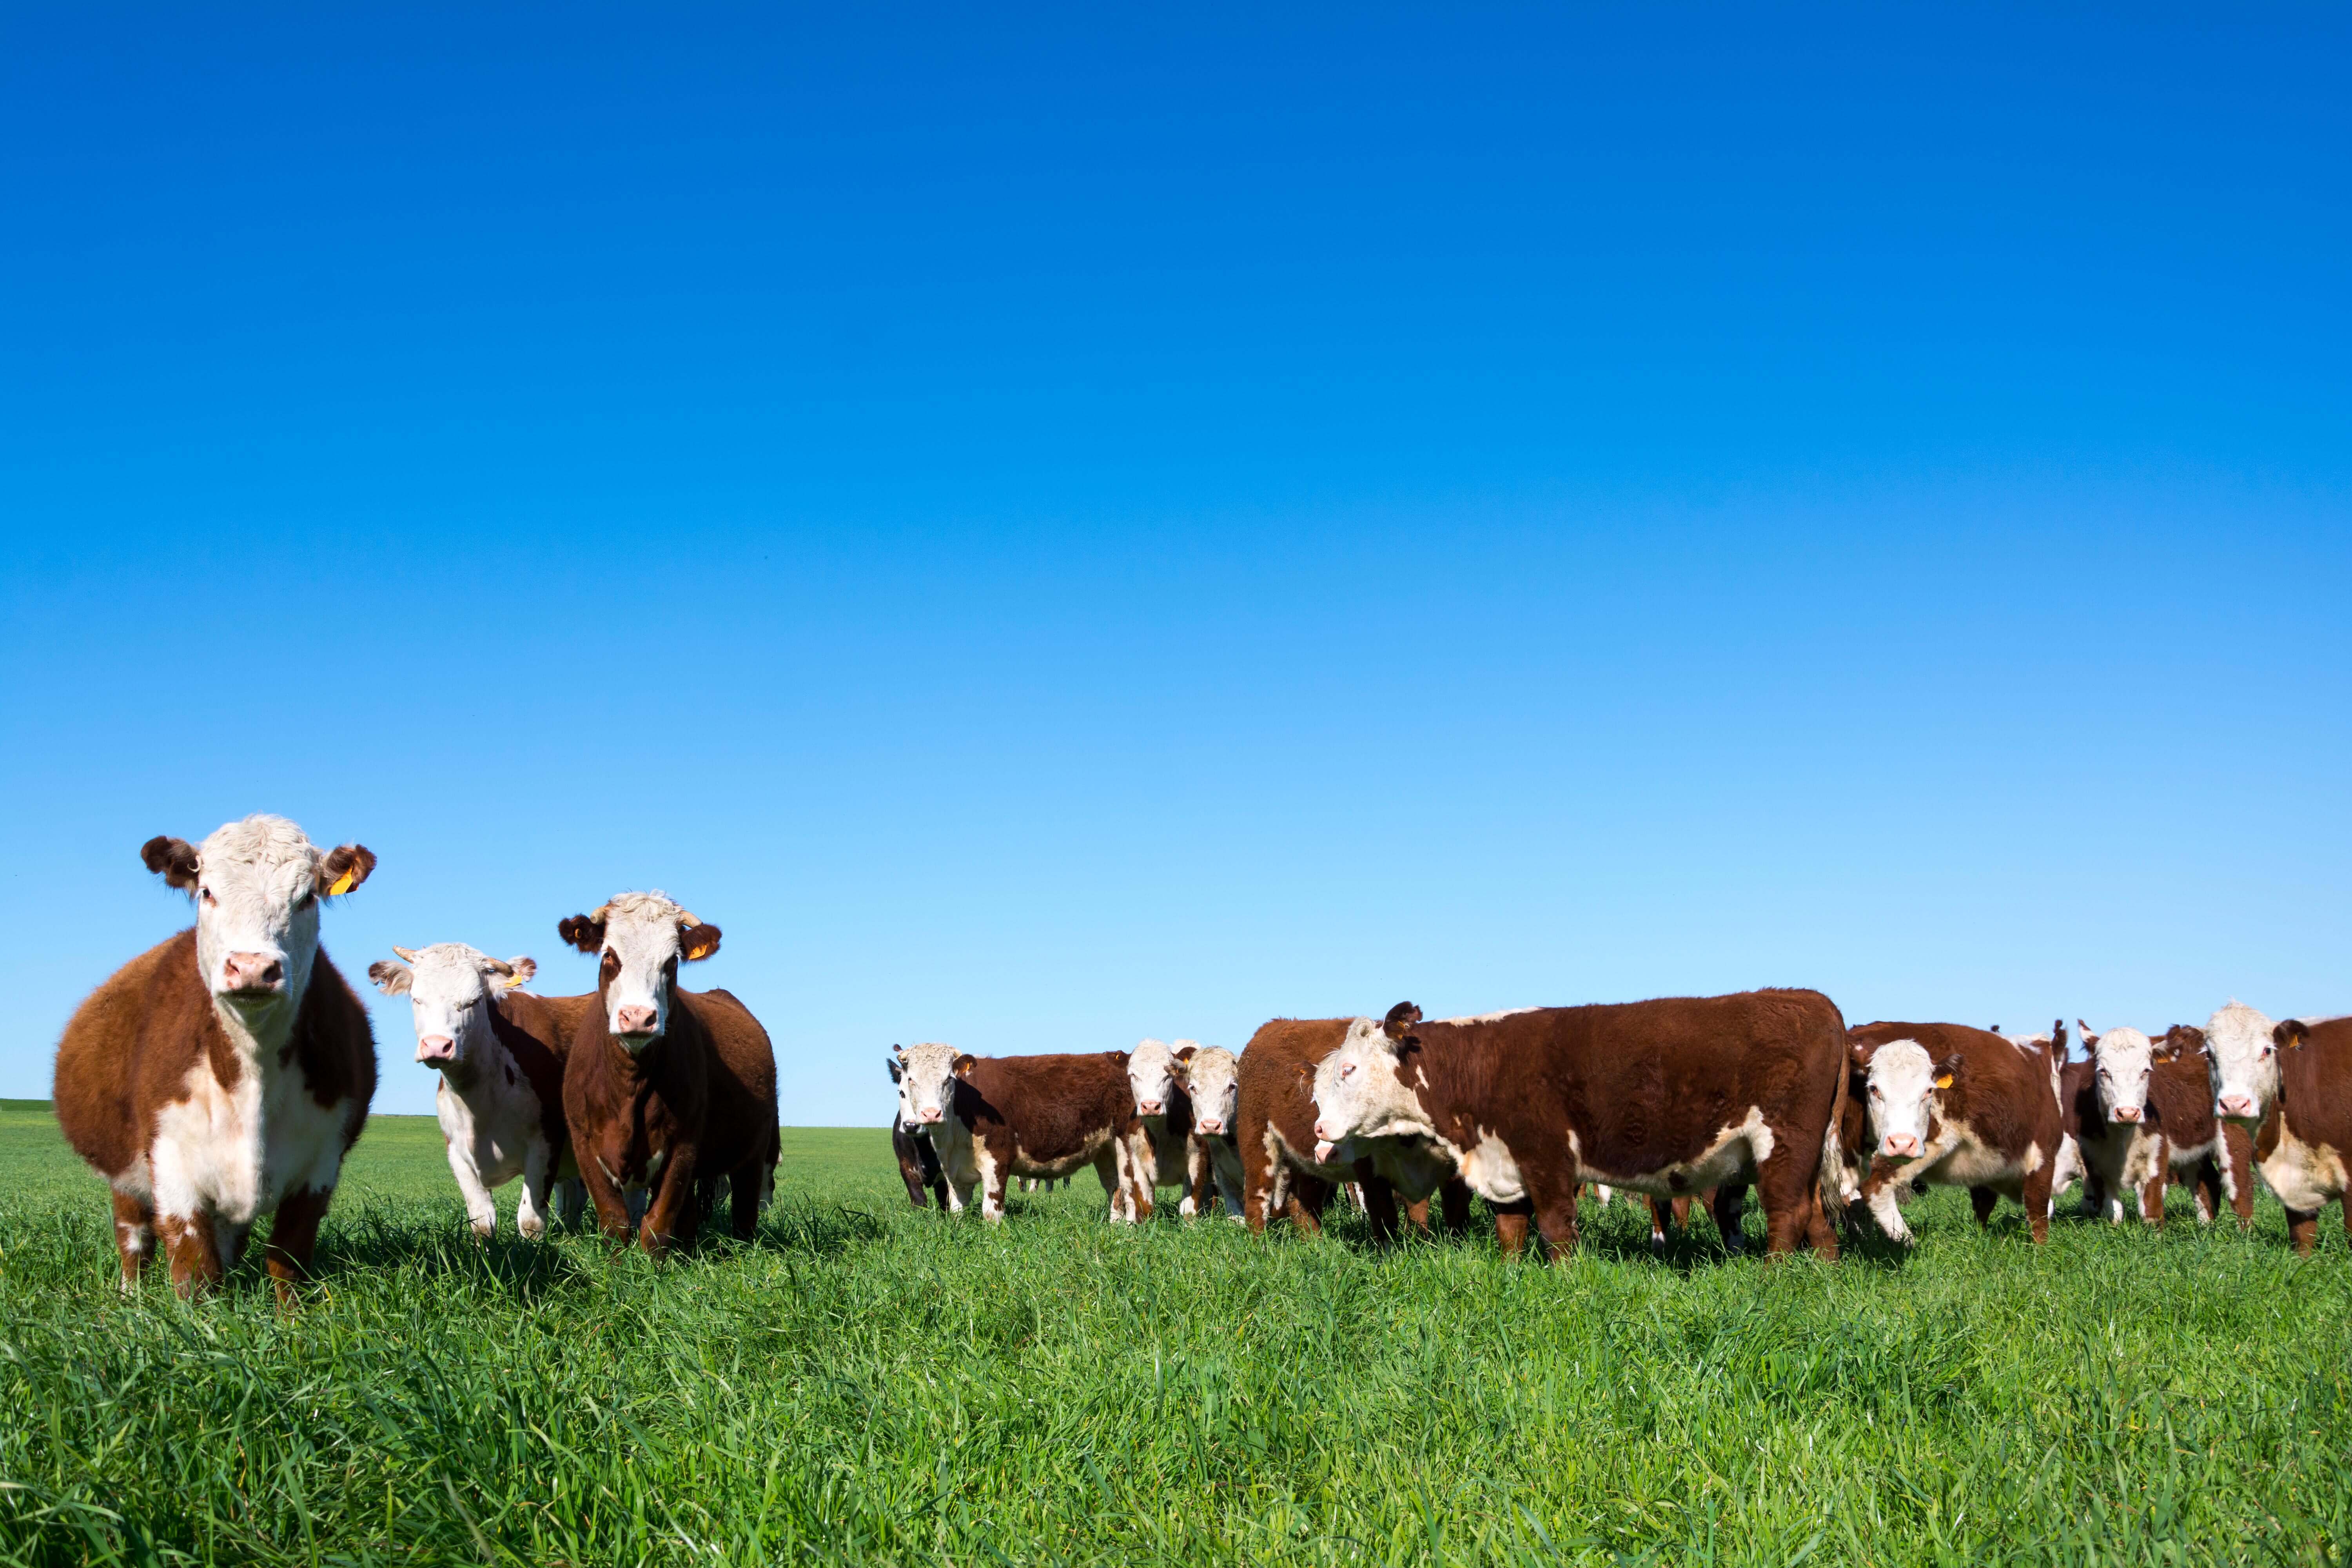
1731, 1158
2305, 1176
1056, 1166
236, 1152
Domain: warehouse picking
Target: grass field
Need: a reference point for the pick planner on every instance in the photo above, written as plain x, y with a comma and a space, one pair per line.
866, 1383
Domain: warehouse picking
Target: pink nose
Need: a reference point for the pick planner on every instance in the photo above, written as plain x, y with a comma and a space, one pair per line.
2237, 1105
933, 1114
252, 971
634, 1020
1211, 1125
435, 1048
1321, 1135
2127, 1113
1147, 1107
1902, 1144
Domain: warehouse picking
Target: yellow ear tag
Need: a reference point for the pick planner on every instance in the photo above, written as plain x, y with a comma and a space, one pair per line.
1944, 1082
343, 883
694, 953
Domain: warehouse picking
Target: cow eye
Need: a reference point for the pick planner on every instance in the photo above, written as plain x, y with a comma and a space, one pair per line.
206, 894
1348, 1070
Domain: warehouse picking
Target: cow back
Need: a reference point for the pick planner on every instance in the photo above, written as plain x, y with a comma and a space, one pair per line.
1054, 1107
2316, 1089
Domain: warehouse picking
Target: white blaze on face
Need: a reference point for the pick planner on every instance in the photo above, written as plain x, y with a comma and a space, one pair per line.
2123, 1062
2242, 1060
1213, 1078
1151, 1075
640, 939
452, 989
1901, 1098
1359, 1094
927, 1075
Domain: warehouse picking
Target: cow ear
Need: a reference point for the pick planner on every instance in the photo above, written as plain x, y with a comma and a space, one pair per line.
2168, 1047
1859, 1050
2290, 1033
390, 978
1946, 1071
964, 1064
1118, 1056
1183, 1053
697, 941
521, 967
892, 1063
2090, 1040
580, 932
1400, 1020
173, 859
343, 868
2058, 1039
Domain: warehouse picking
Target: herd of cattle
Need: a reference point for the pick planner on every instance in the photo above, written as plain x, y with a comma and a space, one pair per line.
224, 1074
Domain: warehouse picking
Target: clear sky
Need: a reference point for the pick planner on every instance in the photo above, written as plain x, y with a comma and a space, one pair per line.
1051, 528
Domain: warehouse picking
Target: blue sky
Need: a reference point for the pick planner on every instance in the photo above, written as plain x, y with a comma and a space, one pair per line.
1059, 527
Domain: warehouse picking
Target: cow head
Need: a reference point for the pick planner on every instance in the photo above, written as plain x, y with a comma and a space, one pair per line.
256, 885
1212, 1076
1360, 1089
2122, 1062
1901, 1083
639, 940
2242, 1050
1151, 1075
452, 989
926, 1076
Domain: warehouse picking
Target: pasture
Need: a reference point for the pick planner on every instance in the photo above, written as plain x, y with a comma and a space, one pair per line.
865, 1384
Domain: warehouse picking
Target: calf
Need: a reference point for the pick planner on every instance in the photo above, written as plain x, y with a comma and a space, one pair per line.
1287, 1170
995, 1117
1952, 1106
1664, 1097
2290, 1085
1212, 1077
223, 1074
2150, 1118
666, 1091
1165, 1107
919, 1162
500, 1051
2078, 1109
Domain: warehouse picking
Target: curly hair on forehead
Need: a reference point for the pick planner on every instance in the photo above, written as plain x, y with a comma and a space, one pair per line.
650, 907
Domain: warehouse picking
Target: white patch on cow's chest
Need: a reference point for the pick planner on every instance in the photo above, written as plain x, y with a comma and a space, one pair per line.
236, 1152
1733, 1156
1490, 1171
493, 1123
2304, 1176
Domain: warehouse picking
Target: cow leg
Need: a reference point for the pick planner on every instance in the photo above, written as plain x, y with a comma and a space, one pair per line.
1378, 1200
1453, 1207
293, 1237
2303, 1229
134, 1235
2034, 1192
1981, 1203
1730, 1202
2151, 1199
1511, 1225
190, 1250
612, 1215
571, 1202
1659, 1213
530, 1209
1305, 1199
481, 1212
1114, 1180
1553, 1205
2238, 1171
674, 1213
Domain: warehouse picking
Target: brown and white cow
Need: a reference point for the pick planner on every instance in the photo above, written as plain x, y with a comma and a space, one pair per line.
2149, 1118
223, 1074
500, 1051
2290, 1085
996, 1118
1664, 1097
918, 1161
1165, 1107
1948, 1105
666, 1092
1212, 1077
1286, 1170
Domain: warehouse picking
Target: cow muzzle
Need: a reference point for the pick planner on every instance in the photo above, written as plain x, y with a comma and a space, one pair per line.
1902, 1146
2235, 1108
930, 1117
1147, 1108
1323, 1148
2127, 1113
436, 1050
1211, 1125
253, 974
635, 1020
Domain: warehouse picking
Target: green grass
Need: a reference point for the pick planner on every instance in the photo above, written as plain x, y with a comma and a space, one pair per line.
866, 1383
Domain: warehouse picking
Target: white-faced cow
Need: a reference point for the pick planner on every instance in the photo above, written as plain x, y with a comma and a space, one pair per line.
1212, 1077
1666, 1097
1948, 1105
666, 1092
993, 1118
2290, 1085
2147, 1112
223, 1074
1155, 1074
500, 1051
910, 1142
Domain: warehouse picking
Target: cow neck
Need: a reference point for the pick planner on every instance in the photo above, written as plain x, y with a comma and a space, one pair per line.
234, 1047
530, 1054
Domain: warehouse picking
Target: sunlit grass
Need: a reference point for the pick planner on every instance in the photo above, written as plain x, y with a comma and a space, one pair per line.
866, 1383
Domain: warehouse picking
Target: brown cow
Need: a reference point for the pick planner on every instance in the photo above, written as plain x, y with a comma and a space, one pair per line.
223, 1074
918, 1161
1952, 1106
1283, 1168
667, 1091
995, 1117
2148, 1116
2290, 1085
1666, 1097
